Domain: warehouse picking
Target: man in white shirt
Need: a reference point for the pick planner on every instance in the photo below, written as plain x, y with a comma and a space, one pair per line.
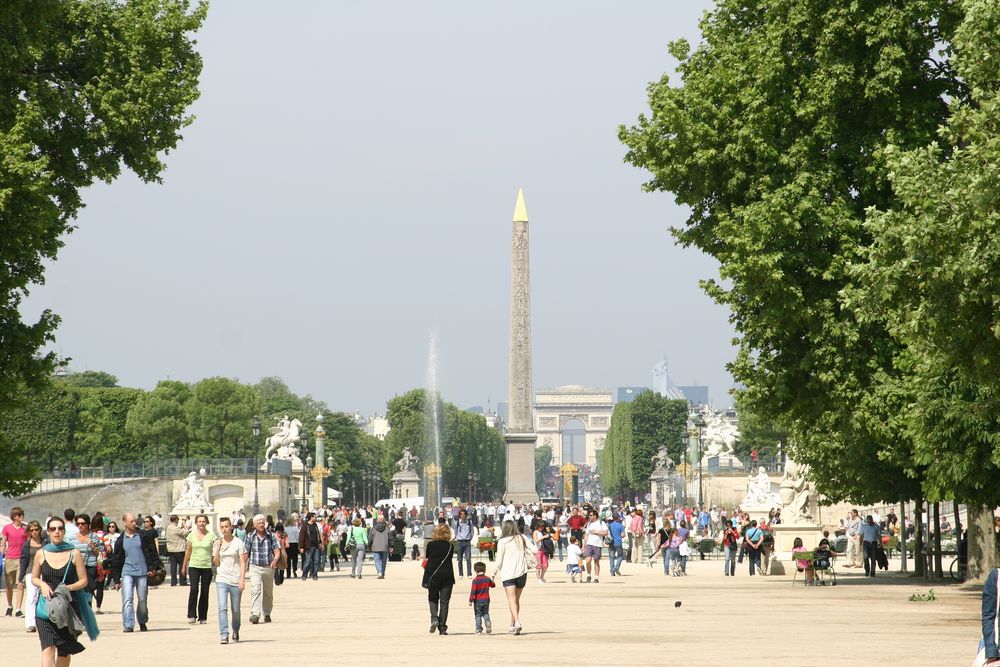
853, 540
594, 535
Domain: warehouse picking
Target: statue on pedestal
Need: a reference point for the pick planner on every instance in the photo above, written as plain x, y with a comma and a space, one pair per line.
408, 462
796, 492
281, 444
759, 490
662, 461
193, 497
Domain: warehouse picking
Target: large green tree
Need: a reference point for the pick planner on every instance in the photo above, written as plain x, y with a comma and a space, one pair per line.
933, 274
219, 414
86, 87
657, 422
772, 139
617, 464
159, 420
101, 438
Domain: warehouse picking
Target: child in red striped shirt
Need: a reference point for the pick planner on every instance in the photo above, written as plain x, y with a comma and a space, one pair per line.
479, 598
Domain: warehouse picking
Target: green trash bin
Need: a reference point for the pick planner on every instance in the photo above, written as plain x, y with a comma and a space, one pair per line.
397, 547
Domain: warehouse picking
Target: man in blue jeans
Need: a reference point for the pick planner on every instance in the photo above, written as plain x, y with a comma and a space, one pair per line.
133, 560
464, 532
615, 553
310, 541
871, 534
754, 540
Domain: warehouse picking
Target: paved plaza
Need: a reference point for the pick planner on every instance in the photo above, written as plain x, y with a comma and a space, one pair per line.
631, 619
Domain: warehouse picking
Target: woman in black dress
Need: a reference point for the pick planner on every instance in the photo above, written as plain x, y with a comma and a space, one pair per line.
57, 563
439, 576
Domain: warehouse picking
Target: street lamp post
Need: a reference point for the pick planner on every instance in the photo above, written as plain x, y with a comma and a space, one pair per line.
473, 479
340, 490
255, 428
305, 475
686, 440
699, 423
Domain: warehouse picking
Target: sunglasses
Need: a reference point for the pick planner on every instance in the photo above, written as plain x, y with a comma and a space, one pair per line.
53, 529
82, 523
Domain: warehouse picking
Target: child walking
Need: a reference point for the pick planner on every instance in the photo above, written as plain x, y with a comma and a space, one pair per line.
479, 598
573, 559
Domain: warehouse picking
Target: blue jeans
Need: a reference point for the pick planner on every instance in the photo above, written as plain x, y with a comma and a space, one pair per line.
666, 561
615, 556
381, 558
310, 562
482, 611
463, 553
729, 566
137, 587
227, 593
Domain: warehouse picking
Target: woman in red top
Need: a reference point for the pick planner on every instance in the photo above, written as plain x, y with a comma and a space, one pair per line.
731, 544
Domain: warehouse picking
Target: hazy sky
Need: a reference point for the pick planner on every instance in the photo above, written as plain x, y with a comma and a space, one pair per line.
348, 185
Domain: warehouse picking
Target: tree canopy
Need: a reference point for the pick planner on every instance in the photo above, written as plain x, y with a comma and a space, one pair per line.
86, 88
774, 140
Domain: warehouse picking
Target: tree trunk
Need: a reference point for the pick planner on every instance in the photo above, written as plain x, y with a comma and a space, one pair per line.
903, 565
981, 541
938, 568
919, 562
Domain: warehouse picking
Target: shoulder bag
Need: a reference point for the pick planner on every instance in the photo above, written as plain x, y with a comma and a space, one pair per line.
531, 560
40, 609
426, 583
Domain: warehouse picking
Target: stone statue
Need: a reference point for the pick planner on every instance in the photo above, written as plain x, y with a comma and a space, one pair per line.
662, 460
720, 434
796, 492
193, 497
759, 491
408, 462
281, 444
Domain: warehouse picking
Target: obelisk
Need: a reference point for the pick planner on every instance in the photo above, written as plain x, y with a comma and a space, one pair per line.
521, 427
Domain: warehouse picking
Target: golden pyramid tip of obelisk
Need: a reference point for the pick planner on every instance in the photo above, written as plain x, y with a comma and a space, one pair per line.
520, 210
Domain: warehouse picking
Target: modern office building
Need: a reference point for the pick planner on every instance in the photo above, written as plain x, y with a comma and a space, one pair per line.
628, 394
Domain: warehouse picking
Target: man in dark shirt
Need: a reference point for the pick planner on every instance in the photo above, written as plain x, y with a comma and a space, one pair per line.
399, 523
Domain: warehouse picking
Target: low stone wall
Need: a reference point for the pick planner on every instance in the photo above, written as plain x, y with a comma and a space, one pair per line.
154, 494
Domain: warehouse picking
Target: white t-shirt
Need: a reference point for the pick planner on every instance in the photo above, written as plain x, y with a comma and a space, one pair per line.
573, 554
230, 554
593, 539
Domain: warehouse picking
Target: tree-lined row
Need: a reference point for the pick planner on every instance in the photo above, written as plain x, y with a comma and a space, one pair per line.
86, 420
467, 443
637, 432
841, 161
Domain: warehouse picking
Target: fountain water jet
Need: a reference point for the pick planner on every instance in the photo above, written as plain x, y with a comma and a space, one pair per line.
432, 406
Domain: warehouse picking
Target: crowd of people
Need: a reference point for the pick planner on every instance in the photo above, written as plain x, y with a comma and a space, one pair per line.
79, 556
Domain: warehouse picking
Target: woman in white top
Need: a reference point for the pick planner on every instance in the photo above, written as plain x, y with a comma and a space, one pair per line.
512, 569
230, 578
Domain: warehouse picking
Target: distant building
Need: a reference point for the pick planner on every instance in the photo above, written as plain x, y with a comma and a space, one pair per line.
573, 421
376, 425
494, 421
664, 385
697, 394
628, 394
503, 410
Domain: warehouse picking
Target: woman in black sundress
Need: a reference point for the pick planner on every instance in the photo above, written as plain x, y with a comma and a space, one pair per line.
57, 563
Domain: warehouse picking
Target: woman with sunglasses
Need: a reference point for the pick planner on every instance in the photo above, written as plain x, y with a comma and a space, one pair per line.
28, 552
58, 562
89, 547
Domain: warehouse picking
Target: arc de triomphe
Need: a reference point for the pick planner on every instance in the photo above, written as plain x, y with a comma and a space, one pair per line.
573, 420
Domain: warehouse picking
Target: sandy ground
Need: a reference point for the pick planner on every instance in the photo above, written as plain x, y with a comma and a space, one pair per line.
630, 619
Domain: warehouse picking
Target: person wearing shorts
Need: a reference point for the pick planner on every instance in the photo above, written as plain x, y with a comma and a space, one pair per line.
595, 532
573, 559
511, 568
12, 538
